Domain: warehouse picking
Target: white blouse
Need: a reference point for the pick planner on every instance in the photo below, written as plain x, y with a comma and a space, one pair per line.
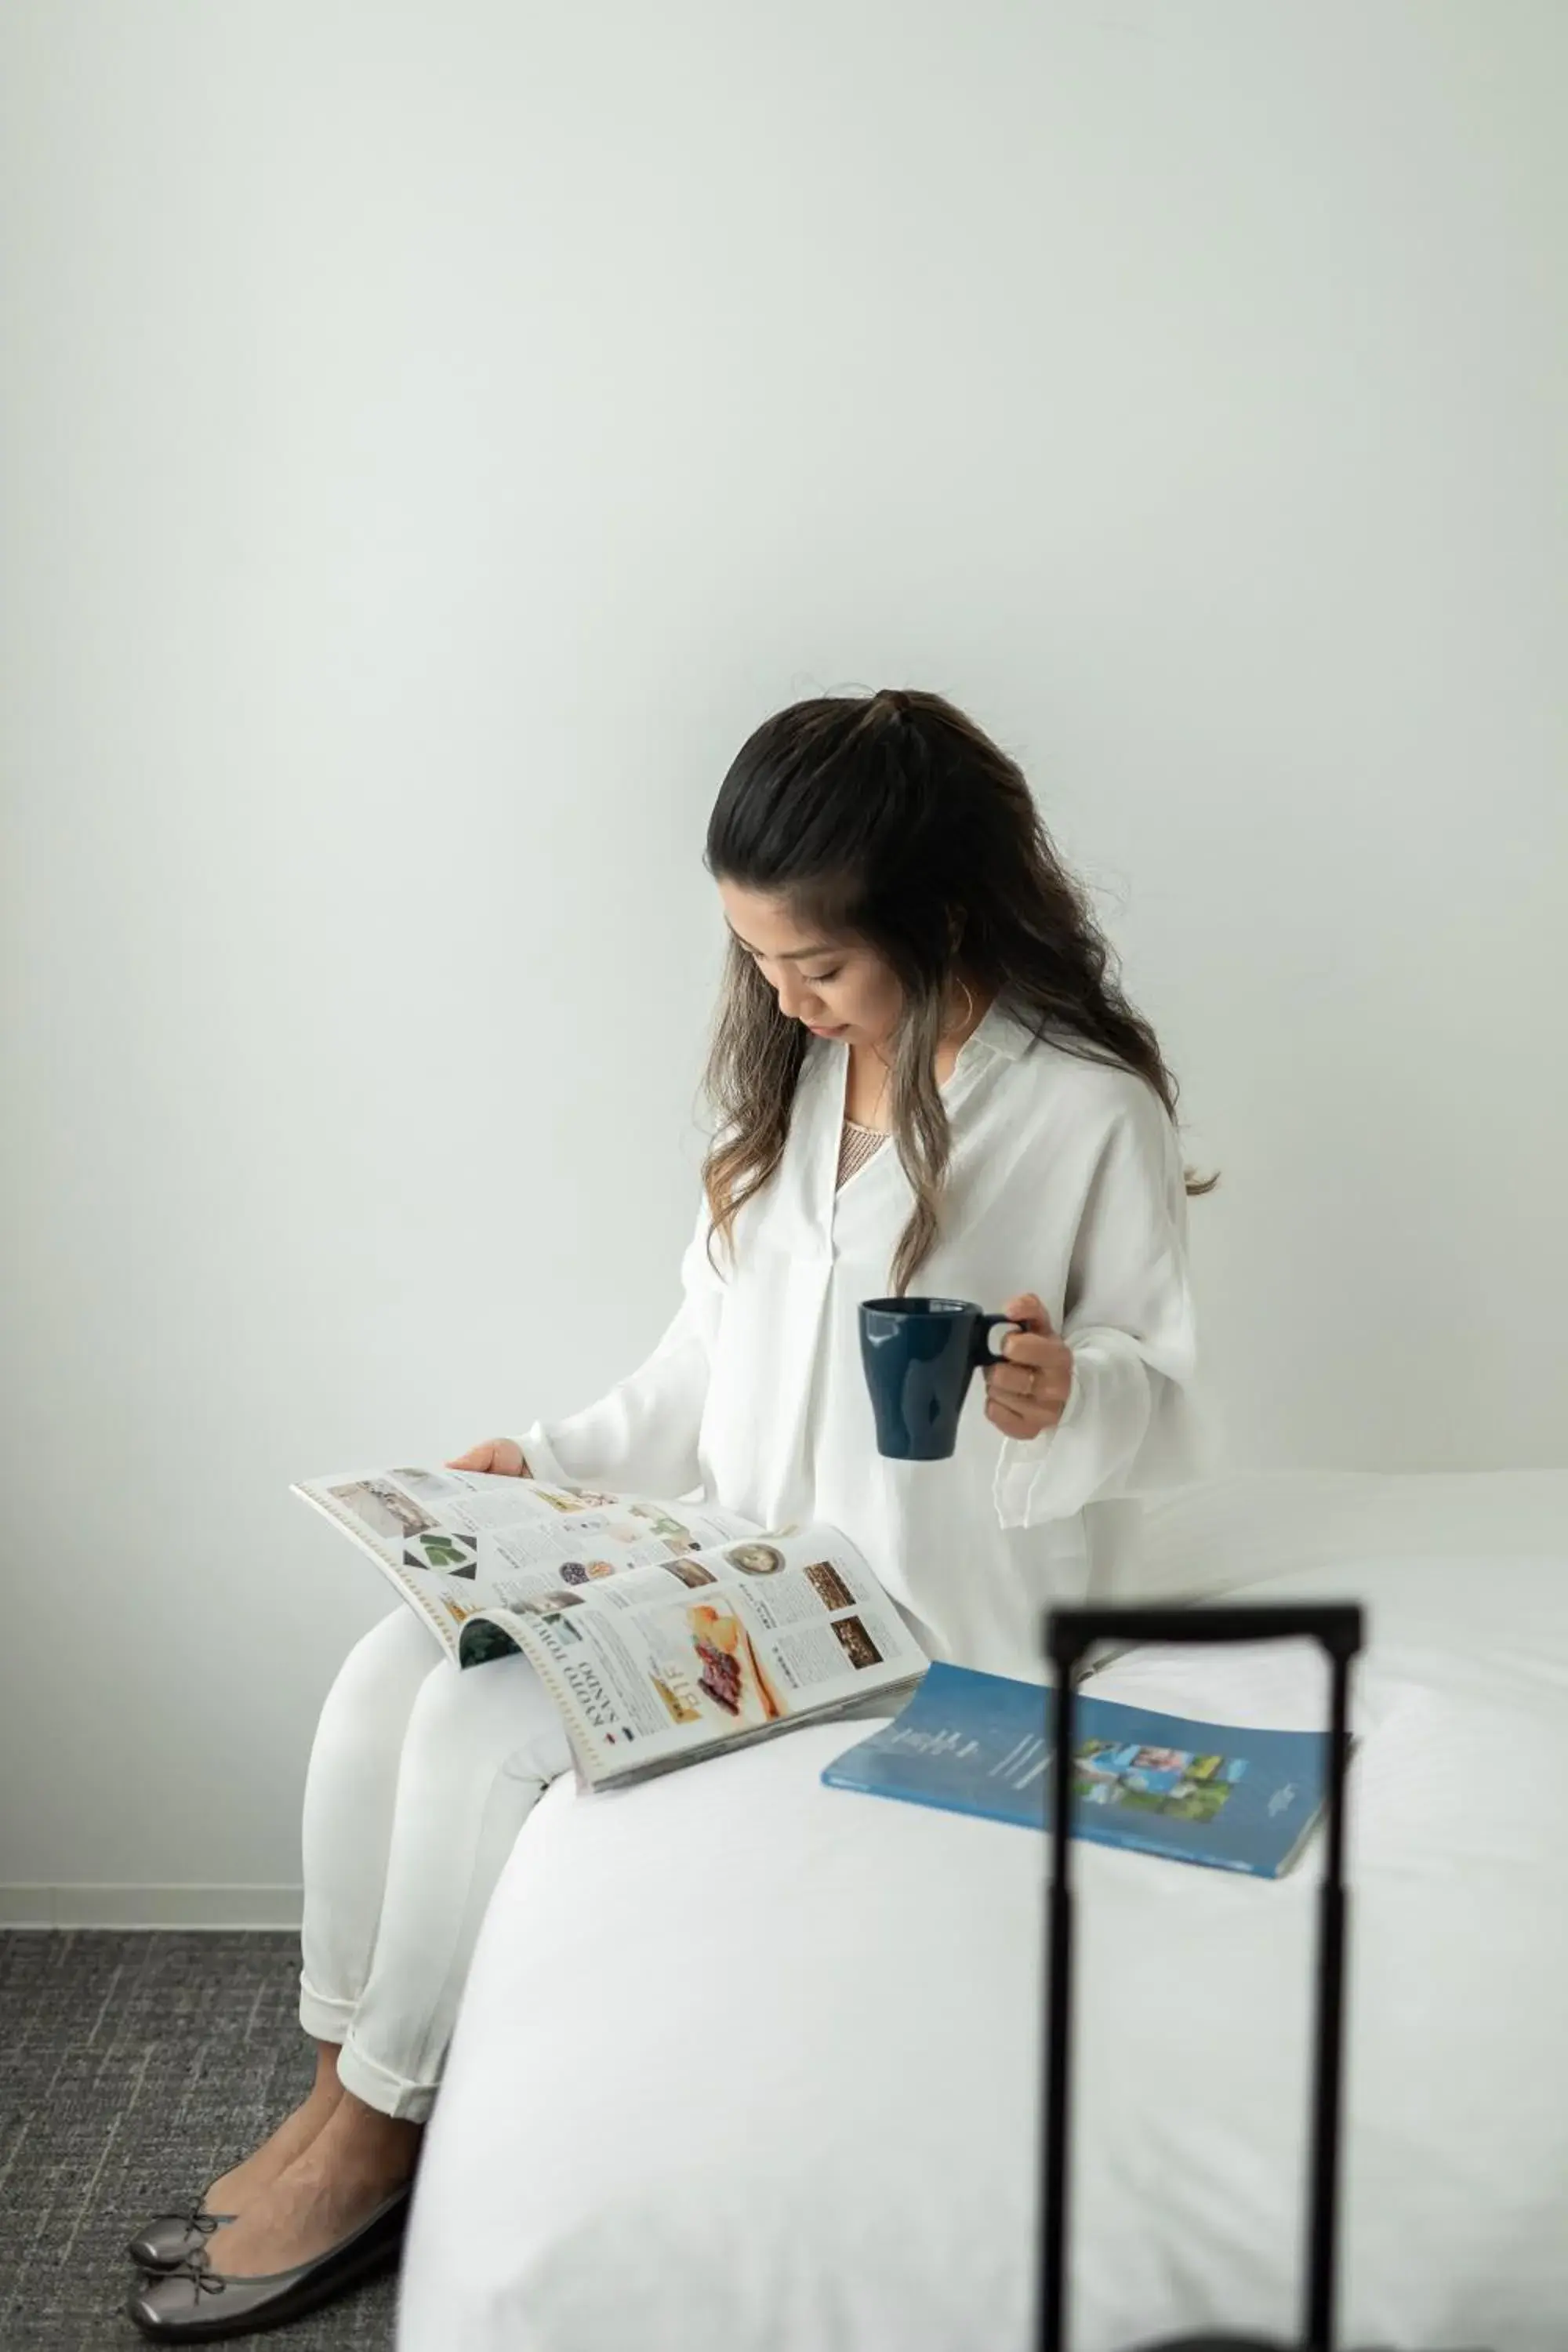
1066, 1180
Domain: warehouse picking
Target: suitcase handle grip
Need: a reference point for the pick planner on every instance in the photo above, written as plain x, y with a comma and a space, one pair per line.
1336, 1624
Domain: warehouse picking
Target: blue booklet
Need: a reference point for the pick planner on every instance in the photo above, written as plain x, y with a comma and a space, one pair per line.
973, 1743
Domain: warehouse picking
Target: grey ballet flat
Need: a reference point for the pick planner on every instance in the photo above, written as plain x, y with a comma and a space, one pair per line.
170, 2238
196, 2304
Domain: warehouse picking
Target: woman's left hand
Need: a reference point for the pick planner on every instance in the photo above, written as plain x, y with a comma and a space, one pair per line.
1028, 1394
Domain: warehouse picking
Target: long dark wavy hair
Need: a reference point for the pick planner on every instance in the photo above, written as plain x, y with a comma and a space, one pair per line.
892, 820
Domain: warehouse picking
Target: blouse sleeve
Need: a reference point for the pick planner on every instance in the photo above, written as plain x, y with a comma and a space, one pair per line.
643, 1436
1132, 1422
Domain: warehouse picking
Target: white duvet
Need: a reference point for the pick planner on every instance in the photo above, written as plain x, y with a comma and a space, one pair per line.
745, 2062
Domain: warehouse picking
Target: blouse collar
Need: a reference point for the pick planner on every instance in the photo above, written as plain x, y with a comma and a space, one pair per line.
999, 1031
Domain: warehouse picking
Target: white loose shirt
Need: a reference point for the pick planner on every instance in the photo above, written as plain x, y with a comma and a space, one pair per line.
1066, 1180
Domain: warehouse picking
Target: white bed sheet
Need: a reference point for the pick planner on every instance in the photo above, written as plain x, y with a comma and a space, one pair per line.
745, 2064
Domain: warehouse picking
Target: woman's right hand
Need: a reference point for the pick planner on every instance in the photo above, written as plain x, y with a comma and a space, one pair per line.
499, 1455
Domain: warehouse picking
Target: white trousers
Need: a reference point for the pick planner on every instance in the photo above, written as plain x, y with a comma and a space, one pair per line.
420, 1778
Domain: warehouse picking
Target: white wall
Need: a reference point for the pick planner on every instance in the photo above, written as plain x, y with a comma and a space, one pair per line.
435, 436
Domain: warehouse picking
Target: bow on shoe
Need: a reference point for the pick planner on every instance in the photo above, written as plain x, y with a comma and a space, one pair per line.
191, 2217
198, 2268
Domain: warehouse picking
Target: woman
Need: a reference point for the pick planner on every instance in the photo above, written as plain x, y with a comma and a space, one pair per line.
923, 1067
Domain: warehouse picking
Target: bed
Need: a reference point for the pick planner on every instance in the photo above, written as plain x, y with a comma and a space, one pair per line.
744, 2063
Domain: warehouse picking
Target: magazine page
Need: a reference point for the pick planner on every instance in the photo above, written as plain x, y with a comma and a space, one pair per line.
670, 1661
456, 1541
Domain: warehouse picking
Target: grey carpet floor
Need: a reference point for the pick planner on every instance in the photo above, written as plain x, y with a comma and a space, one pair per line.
133, 2069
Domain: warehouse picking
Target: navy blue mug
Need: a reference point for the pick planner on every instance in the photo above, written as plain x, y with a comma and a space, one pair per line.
920, 1355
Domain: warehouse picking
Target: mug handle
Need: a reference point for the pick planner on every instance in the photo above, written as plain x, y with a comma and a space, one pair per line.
980, 1352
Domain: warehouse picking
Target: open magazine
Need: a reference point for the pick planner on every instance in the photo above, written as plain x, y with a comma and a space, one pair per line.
664, 1632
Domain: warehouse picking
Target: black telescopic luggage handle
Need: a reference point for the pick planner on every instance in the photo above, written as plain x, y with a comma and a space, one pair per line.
1069, 1632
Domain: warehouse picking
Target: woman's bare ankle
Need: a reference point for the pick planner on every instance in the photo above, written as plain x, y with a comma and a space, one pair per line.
234, 2189
326, 2085
364, 2145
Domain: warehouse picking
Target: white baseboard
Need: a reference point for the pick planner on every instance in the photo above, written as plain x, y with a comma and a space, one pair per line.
149, 1906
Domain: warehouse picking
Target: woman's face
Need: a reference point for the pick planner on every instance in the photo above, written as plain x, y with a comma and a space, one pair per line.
835, 988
